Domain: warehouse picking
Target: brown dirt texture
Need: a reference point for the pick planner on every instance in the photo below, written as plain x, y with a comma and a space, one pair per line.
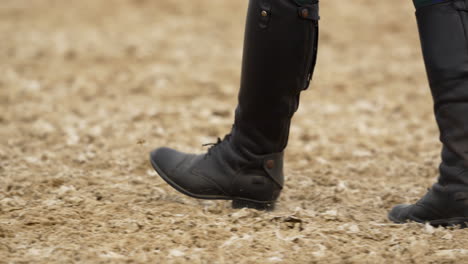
88, 88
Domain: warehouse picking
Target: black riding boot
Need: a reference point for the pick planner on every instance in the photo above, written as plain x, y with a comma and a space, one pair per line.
280, 50
443, 31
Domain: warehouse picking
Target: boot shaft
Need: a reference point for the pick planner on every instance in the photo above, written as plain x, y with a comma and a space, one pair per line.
443, 31
280, 48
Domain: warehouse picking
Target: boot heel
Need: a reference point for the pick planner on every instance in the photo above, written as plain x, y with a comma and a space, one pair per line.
239, 204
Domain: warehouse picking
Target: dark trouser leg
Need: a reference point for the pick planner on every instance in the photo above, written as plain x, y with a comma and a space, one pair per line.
443, 29
247, 166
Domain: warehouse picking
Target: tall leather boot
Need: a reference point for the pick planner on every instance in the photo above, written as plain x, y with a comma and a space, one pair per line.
280, 50
443, 31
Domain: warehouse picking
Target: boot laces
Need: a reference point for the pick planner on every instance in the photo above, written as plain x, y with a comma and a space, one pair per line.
212, 146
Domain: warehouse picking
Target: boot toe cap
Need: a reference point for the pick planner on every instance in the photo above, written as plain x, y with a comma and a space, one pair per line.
400, 213
166, 160
176, 168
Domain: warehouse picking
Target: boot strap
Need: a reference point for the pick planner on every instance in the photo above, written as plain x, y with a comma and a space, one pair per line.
309, 12
265, 15
274, 168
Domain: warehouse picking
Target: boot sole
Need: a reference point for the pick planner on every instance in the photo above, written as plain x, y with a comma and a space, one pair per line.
237, 202
461, 222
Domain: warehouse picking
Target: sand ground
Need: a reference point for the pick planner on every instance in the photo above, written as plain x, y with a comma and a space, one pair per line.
88, 88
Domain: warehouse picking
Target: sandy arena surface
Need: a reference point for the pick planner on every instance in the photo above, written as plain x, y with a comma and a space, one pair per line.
88, 88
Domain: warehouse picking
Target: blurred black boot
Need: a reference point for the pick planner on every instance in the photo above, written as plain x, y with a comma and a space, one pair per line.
443, 31
280, 50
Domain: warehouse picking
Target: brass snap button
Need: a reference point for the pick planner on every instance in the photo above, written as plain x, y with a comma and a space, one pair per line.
270, 164
264, 13
305, 13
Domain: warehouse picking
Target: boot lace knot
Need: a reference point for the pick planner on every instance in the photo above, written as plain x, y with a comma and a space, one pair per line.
212, 146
